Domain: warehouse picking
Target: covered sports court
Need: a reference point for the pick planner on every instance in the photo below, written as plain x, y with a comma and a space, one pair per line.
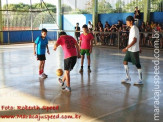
98, 96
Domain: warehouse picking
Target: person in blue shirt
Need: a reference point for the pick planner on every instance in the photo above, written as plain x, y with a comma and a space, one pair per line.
42, 43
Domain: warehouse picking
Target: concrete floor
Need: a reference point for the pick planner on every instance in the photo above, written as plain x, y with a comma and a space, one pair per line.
97, 97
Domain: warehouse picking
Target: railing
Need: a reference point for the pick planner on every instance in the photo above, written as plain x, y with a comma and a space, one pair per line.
101, 38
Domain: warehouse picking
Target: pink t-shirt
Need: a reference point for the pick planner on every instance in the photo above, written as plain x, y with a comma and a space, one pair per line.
68, 45
86, 41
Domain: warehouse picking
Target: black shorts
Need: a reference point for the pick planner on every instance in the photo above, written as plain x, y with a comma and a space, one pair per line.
41, 57
132, 57
69, 63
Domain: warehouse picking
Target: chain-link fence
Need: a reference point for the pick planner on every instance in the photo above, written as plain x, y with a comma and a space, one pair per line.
32, 14
27, 15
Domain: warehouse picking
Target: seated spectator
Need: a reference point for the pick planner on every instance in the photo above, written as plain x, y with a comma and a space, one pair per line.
148, 27
124, 37
153, 25
119, 25
107, 24
113, 35
107, 35
99, 25
101, 37
146, 38
96, 34
161, 37
142, 29
151, 39
90, 26
158, 27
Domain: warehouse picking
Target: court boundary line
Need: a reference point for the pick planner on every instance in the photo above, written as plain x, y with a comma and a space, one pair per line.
121, 109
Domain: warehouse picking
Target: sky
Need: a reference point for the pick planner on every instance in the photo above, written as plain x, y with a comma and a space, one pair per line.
80, 3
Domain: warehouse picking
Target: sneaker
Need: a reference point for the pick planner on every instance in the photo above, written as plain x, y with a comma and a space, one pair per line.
89, 70
139, 82
127, 80
81, 70
42, 76
45, 75
60, 82
68, 89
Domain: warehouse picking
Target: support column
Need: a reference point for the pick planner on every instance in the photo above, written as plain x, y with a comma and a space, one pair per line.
146, 10
59, 15
95, 13
1, 25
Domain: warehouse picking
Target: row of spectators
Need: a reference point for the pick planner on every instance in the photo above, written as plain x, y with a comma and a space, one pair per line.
146, 31
107, 34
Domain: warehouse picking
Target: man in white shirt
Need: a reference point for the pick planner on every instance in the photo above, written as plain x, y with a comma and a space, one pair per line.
132, 51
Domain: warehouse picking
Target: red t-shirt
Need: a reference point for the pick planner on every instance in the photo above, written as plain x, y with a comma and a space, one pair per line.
68, 45
86, 41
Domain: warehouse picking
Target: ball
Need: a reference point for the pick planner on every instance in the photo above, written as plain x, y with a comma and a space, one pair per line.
59, 72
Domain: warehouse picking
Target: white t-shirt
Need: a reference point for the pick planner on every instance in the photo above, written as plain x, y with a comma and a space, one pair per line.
90, 26
134, 33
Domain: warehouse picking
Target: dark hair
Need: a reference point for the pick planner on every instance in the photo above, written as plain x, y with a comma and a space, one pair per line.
62, 33
85, 26
130, 18
44, 30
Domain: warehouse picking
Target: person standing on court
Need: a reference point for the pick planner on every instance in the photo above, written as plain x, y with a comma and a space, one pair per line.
137, 16
86, 44
71, 53
42, 44
77, 34
132, 51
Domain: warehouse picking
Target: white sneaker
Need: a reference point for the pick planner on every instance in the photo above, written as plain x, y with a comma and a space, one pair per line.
60, 82
127, 80
139, 82
68, 89
42, 76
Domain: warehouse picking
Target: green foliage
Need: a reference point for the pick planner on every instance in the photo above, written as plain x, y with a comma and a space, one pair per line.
104, 7
20, 6
23, 19
66, 8
120, 6
26, 7
79, 11
45, 17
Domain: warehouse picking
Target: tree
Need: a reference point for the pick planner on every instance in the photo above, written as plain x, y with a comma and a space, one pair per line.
103, 6
21, 16
79, 11
66, 8
20, 6
155, 6
43, 6
130, 7
119, 6
47, 18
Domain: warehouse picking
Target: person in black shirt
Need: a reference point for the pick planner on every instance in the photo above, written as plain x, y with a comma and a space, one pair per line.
77, 34
137, 16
